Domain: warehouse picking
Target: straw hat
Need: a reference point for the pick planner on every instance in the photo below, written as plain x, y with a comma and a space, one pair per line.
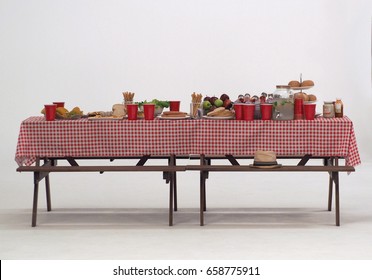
265, 159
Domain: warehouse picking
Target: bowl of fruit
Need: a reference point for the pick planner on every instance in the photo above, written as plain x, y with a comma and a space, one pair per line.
212, 103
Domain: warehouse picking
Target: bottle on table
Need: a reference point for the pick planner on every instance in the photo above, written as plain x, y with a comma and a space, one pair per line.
339, 108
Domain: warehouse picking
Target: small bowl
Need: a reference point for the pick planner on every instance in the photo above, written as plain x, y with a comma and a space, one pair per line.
158, 111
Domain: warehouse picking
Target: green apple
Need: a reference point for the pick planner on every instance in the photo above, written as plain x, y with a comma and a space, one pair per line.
206, 105
218, 103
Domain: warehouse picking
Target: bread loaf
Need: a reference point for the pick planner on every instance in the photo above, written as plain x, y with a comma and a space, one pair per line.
118, 111
220, 112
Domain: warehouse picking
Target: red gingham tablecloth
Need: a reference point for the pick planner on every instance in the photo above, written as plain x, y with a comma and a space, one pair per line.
121, 138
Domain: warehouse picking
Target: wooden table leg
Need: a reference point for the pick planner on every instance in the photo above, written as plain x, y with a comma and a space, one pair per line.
336, 180
337, 197
171, 201
208, 162
330, 188
47, 190
171, 190
35, 199
202, 192
172, 162
202, 199
175, 188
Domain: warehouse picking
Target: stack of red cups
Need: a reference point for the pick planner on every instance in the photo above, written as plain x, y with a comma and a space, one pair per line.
298, 109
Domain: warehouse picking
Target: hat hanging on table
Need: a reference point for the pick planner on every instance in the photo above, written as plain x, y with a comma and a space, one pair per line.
265, 159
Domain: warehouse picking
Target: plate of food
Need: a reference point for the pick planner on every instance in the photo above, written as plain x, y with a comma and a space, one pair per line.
64, 114
300, 85
220, 113
173, 115
173, 118
218, 118
102, 115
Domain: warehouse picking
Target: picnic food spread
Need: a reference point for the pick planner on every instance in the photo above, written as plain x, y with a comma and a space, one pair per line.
287, 102
63, 113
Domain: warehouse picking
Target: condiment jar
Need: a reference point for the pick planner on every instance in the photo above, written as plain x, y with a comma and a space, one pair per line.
328, 109
339, 108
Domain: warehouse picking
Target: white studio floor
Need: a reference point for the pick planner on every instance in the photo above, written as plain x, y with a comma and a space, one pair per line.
250, 216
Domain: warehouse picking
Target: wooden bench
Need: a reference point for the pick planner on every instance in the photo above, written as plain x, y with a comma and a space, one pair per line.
330, 165
42, 172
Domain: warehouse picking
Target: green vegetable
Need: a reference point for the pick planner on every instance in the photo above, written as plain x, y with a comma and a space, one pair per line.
158, 103
140, 104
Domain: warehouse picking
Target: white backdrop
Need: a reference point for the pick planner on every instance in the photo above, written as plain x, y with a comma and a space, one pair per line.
87, 52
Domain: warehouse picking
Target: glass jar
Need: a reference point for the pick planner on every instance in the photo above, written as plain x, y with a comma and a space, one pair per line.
328, 109
283, 106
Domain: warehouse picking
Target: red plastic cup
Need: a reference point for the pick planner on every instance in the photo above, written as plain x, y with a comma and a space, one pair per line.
132, 110
149, 111
248, 112
309, 110
238, 107
298, 109
174, 105
59, 104
50, 112
266, 111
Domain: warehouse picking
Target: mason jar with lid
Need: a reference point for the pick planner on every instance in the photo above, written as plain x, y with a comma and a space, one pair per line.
328, 109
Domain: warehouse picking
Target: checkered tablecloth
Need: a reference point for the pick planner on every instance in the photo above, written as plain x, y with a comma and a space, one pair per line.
121, 138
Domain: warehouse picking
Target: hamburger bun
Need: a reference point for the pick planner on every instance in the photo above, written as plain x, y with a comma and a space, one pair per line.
216, 111
307, 83
294, 84
302, 95
312, 97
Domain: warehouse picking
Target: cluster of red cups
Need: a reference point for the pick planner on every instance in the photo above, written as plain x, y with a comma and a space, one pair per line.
149, 110
304, 110
50, 110
245, 111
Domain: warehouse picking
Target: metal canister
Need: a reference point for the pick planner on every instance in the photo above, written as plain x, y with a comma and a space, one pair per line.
328, 109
